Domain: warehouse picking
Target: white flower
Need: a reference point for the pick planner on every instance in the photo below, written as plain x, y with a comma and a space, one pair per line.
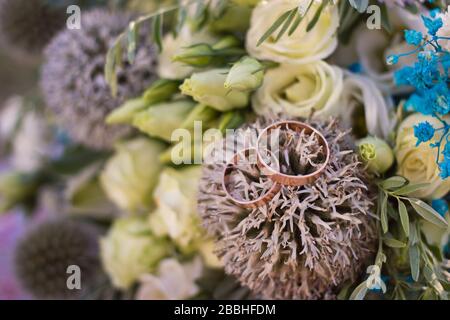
300, 47
418, 163
176, 214
360, 92
374, 280
130, 250
169, 69
298, 90
173, 281
131, 174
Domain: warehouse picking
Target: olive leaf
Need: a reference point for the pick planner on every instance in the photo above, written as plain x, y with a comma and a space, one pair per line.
393, 243
286, 24
383, 213
281, 19
410, 188
394, 182
404, 218
428, 213
316, 16
157, 31
414, 261
132, 38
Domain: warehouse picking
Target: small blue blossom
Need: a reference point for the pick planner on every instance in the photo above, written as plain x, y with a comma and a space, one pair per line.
355, 67
444, 166
423, 131
440, 205
392, 59
446, 151
432, 25
413, 37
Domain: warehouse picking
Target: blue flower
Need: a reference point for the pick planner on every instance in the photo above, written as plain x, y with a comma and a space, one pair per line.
432, 25
446, 151
440, 205
423, 131
444, 166
392, 59
413, 37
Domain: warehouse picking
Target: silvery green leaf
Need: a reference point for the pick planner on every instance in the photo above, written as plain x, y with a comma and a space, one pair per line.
404, 218
394, 182
383, 212
428, 213
286, 24
414, 261
274, 27
393, 243
157, 30
410, 188
132, 35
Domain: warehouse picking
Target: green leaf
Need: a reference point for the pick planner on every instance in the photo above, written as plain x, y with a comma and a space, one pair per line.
414, 261
384, 218
393, 243
157, 31
393, 182
286, 24
298, 20
428, 213
274, 26
316, 17
114, 54
132, 38
360, 292
410, 188
404, 218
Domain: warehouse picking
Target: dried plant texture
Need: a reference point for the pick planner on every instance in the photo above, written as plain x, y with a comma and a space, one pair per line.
26, 26
73, 81
308, 240
46, 251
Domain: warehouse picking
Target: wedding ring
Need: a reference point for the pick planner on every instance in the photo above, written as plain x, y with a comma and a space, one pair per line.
275, 174
258, 202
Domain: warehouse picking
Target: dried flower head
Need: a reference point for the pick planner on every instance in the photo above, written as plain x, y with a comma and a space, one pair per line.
46, 251
308, 240
73, 82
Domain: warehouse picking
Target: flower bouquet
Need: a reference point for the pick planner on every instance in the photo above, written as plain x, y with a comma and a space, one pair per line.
229, 149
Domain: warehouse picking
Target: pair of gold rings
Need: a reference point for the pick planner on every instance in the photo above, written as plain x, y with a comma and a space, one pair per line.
269, 165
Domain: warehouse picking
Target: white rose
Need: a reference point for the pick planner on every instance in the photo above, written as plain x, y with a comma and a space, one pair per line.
173, 281
360, 93
297, 90
300, 47
418, 163
169, 69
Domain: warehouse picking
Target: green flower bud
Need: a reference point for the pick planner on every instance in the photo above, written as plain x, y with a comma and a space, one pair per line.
201, 113
246, 75
208, 88
161, 120
130, 249
198, 55
161, 90
228, 42
125, 113
246, 2
15, 188
376, 153
130, 176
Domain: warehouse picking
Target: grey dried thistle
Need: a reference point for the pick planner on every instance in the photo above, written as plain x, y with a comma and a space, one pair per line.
73, 81
307, 241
